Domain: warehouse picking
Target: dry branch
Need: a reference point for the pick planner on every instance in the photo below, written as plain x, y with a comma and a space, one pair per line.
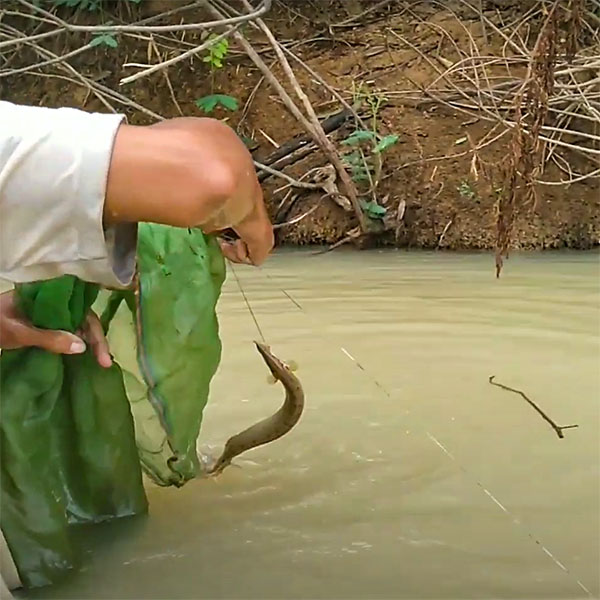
310, 122
263, 8
557, 428
523, 166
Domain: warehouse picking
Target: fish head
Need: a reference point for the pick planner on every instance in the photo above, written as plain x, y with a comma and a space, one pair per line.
276, 365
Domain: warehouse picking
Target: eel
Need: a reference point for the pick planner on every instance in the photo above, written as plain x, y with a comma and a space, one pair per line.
273, 427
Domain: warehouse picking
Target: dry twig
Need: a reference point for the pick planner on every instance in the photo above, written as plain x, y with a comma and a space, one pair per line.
310, 121
557, 428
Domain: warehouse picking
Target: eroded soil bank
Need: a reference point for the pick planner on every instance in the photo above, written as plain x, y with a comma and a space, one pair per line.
445, 199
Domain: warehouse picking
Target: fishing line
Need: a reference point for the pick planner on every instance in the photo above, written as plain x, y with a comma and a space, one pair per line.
239, 283
515, 520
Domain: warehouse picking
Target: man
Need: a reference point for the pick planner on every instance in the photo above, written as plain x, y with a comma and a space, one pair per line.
73, 186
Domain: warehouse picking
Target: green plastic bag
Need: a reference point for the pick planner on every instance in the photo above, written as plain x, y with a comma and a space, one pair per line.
178, 345
72, 434
67, 440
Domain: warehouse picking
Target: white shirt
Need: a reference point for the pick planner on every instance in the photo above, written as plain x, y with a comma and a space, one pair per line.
53, 170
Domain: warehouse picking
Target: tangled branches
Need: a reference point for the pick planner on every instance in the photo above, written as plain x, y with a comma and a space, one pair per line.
531, 74
544, 97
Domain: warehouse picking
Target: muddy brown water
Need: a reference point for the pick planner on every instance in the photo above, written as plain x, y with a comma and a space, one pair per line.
409, 475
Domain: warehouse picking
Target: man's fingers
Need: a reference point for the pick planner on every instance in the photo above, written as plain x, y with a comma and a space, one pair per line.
18, 332
242, 252
236, 252
258, 237
63, 342
259, 251
95, 336
57, 342
226, 249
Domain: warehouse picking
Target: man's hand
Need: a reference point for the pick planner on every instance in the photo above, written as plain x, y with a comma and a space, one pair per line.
17, 332
256, 236
256, 232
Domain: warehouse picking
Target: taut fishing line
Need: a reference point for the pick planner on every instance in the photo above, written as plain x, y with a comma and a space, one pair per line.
239, 284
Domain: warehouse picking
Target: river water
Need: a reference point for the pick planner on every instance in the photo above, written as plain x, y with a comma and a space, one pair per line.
409, 475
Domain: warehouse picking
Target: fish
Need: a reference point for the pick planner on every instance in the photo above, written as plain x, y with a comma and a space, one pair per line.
271, 428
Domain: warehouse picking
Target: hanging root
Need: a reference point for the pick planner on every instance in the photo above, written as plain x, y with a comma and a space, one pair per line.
525, 162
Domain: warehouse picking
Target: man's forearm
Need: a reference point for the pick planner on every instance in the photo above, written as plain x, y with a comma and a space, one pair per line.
189, 172
163, 176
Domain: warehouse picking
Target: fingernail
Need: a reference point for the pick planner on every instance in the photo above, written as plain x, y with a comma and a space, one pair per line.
105, 361
77, 347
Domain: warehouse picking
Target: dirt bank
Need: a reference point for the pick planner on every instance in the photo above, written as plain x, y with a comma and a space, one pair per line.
444, 198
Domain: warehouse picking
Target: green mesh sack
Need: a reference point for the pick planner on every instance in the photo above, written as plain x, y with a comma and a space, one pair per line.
168, 345
73, 434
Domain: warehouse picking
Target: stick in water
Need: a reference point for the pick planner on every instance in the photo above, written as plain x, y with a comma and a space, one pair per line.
557, 428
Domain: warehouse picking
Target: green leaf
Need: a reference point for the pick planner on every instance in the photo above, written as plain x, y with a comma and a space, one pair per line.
229, 102
373, 210
111, 41
360, 135
104, 39
220, 49
209, 103
354, 158
385, 143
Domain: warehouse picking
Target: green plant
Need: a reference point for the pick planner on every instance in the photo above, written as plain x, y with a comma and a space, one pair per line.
373, 210
366, 159
216, 54
104, 39
217, 51
361, 93
466, 191
370, 146
209, 103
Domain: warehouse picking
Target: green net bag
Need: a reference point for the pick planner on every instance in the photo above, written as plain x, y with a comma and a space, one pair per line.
73, 434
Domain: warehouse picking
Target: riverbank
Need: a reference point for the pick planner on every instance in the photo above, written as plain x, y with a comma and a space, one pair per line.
432, 188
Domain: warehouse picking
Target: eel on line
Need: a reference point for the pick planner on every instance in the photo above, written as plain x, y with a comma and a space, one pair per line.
272, 427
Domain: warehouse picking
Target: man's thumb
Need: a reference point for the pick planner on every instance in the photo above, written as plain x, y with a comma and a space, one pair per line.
58, 342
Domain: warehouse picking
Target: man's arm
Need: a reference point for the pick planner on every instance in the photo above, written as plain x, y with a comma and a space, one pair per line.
66, 173
189, 172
